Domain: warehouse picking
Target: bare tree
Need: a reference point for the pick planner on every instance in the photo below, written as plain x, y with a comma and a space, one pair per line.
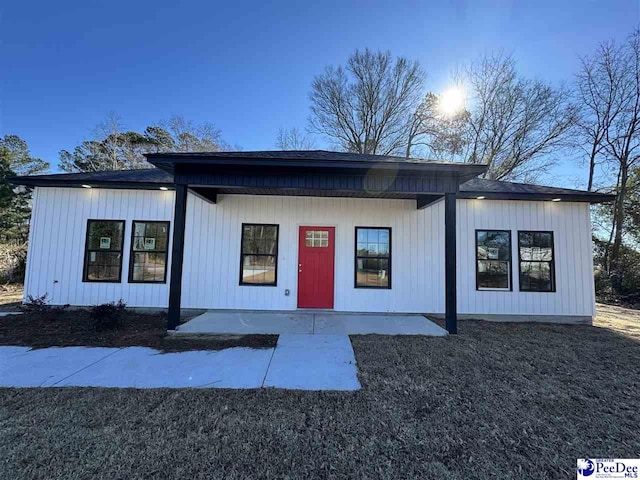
609, 86
366, 107
598, 87
623, 137
188, 136
109, 133
293, 139
514, 122
439, 133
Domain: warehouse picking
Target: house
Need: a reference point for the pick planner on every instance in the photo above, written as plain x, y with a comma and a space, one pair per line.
287, 230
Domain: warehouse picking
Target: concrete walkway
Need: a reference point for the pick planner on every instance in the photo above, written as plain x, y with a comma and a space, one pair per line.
323, 323
304, 362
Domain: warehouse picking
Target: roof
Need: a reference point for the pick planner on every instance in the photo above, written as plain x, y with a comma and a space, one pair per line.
140, 178
297, 155
314, 160
155, 178
501, 190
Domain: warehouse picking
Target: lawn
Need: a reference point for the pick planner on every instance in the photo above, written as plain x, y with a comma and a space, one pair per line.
495, 401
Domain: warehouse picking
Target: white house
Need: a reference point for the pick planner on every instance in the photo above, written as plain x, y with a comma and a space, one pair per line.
312, 229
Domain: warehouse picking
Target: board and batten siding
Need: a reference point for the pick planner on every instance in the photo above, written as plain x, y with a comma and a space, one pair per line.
571, 227
213, 235
55, 257
212, 251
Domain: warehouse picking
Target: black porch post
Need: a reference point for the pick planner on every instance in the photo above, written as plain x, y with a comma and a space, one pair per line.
451, 308
177, 255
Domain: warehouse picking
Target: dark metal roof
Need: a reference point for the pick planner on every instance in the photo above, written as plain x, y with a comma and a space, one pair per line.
154, 178
314, 159
500, 190
297, 155
142, 178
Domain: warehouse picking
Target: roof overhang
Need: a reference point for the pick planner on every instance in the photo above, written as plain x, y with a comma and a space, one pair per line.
316, 171
170, 162
35, 181
585, 197
313, 173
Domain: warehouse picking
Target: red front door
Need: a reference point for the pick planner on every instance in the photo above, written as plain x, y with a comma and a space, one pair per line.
316, 248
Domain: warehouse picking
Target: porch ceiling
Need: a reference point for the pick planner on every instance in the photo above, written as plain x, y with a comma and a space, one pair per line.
313, 193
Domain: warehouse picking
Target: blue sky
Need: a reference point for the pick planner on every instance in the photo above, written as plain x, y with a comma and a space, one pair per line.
247, 66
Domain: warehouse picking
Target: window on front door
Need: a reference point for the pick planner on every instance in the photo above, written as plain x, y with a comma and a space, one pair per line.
259, 255
373, 257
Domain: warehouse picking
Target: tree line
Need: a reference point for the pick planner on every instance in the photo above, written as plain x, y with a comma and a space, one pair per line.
115, 148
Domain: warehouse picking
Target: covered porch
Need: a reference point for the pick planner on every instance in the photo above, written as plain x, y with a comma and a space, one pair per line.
214, 176
238, 322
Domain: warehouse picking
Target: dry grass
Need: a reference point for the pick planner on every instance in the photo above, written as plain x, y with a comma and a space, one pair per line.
617, 318
495, 401
10, 297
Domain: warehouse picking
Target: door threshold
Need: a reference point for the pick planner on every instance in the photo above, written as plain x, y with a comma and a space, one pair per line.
311, 310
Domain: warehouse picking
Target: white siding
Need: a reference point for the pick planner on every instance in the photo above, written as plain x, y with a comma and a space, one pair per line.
212, 251
571, 226
57, 241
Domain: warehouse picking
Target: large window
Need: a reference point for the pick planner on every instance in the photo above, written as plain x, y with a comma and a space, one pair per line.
103, 251
373, 257
493, 260
537, 268
259, 255
149, 247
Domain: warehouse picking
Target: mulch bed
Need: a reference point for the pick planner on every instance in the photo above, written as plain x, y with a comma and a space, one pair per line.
78, 328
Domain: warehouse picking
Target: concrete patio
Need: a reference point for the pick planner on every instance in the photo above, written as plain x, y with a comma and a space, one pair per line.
305, 322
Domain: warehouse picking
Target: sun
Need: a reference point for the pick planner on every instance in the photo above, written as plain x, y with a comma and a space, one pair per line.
452, 101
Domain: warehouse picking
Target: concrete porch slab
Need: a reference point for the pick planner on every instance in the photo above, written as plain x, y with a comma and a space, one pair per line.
216, 322
380, 324
233, 322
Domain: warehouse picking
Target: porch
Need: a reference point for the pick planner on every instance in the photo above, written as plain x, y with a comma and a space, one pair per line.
214, 177
214, 322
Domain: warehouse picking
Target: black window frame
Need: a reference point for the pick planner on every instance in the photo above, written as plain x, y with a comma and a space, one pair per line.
510, 260
552, 262
132, 252
242, 254
356, 257
87, 251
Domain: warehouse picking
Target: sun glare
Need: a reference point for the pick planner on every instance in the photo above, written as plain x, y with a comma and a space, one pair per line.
452, 101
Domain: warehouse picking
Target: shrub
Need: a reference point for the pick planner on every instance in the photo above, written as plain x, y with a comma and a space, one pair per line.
40, 306
109, 316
